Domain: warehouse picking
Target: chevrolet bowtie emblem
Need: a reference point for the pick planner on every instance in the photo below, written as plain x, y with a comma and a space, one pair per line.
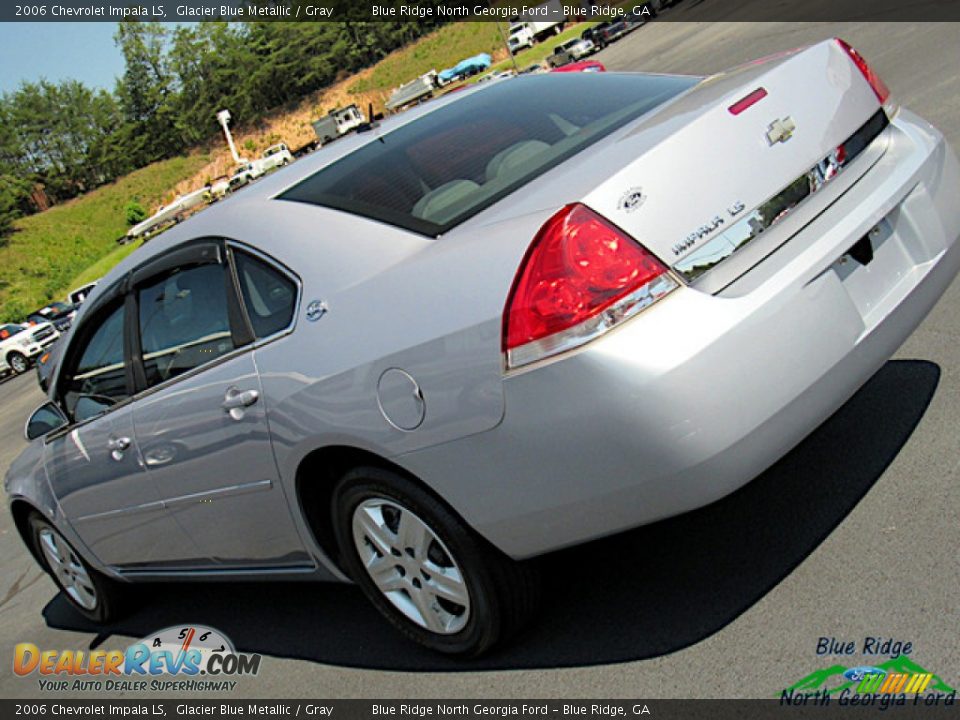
781, 130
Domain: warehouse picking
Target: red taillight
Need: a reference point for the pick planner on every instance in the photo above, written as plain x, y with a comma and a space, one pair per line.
580, 276
879, 87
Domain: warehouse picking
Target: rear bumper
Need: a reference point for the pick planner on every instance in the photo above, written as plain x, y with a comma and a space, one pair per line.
693, 398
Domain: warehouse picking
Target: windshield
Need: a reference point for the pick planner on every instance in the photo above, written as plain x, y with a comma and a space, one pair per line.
443, 168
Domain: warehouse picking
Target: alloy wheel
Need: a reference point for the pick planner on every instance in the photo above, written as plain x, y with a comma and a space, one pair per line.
411, 566
68, 569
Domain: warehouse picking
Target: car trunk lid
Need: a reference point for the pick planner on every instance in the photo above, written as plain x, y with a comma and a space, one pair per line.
715, 179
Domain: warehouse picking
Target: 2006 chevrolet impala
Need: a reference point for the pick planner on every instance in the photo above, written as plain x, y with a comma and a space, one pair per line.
550, 309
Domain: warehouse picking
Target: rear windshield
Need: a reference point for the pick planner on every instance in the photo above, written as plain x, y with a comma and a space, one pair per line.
450, 164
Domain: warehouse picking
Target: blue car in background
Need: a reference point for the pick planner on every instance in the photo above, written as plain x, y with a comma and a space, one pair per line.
465, 68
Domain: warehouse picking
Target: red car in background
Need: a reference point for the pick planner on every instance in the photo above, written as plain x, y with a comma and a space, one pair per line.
582, 66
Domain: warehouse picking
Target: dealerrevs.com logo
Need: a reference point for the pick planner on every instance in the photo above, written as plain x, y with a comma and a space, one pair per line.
180, 658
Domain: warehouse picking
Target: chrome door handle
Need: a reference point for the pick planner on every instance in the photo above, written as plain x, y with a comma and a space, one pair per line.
235, 401
117, 446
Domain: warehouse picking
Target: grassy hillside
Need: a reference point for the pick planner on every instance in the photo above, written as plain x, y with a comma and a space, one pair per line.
48, 254
442, 49
53, 252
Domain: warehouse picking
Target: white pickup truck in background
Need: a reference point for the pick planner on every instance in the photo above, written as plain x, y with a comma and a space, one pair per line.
273, 157
20, 344
536, 24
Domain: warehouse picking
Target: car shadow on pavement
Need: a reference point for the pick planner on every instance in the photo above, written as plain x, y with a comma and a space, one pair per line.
636, 595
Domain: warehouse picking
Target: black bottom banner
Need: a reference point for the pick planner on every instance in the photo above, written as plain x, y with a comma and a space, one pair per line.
795, 707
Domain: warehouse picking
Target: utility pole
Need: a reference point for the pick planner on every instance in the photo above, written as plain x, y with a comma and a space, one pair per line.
504, 38
223, 117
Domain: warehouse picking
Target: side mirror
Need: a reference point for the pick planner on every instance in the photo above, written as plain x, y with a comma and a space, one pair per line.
45, 419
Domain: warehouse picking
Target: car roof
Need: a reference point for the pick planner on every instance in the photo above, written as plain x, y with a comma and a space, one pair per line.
253, 214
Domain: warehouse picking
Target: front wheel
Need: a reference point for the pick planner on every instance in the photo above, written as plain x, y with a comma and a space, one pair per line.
428, 574
92, 594
17, 362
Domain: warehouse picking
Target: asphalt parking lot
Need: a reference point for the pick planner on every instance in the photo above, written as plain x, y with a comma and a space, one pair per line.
853, 534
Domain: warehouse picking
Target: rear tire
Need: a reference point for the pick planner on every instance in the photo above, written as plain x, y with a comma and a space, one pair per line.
92, 594
435, 580
18, 363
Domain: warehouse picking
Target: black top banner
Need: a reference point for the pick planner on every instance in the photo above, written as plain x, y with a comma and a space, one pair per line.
505, 11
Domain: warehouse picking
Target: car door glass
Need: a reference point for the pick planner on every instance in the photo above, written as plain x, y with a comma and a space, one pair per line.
269, 296
183, 321
98, 381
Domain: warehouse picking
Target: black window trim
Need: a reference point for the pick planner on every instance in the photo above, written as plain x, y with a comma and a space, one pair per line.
112, 299
279, 267
198, 251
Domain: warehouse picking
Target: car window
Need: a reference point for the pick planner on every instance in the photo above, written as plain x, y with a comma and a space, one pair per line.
9, 331
269, 296
98, 380
444, 167
183, 321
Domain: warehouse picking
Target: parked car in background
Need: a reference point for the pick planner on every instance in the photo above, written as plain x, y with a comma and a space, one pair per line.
60, 314
245, 173
20, 344
536, 24
466, 68
504, 324
571, 50
218, 188
337, 123
597, 35
76, 297
525, 35
497, 75
45, 364
415, 91
582, 66
534, 69
614, 30
273, 157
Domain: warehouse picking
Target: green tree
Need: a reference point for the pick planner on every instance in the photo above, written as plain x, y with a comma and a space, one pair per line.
146, 93
13, 197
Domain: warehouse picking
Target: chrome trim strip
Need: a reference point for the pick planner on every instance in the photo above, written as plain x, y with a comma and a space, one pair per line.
155, 506
780, 205
226, 491
229, 490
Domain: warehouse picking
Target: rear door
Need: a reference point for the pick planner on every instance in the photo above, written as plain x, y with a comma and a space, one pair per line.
201, 417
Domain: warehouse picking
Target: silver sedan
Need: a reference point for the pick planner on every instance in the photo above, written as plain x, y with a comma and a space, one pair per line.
508, 321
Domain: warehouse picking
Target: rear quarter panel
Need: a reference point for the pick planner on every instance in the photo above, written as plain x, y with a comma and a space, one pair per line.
394, 300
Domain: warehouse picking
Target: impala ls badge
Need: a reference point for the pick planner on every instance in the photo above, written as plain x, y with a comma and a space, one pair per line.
632, 199
781, 130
